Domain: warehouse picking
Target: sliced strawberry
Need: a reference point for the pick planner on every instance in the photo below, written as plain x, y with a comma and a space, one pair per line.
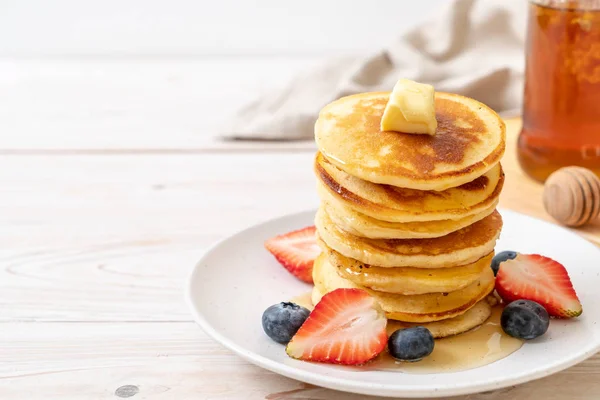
541, 279
346, 327
296, 251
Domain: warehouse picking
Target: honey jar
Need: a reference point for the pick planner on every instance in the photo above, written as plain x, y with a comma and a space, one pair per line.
561, 106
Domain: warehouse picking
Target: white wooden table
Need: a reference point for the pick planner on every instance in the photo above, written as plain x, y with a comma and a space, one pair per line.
96, 244
112, 187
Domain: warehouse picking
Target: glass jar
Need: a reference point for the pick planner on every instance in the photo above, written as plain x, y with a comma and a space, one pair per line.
561, 106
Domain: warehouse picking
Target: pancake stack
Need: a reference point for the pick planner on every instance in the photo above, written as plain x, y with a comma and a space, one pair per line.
410, 218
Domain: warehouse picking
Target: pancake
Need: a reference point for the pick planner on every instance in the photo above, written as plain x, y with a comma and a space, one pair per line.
462, 247
469, 141
408, 281
362, 225
416, 308
472, 318
394, 204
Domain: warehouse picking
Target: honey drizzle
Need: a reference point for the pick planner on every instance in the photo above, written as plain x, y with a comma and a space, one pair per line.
473, 349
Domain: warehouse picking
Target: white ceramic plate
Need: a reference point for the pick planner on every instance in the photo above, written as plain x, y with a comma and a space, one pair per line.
238, 279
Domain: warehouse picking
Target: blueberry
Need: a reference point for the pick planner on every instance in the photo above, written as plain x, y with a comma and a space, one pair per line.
281, 321
524, 319
411, 344
500, 258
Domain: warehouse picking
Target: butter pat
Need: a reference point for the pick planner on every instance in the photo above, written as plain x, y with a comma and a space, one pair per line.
410, 109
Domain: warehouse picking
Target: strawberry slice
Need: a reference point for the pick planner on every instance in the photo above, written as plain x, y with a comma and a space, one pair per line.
296, 251
346, 327
541, 279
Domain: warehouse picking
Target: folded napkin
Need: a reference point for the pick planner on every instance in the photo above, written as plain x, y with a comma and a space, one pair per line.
473, 47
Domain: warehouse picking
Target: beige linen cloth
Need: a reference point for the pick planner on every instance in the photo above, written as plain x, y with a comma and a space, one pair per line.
473, 47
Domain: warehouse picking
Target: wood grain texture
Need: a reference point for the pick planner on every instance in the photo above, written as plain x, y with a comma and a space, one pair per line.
95, 249
112, 238
178, 361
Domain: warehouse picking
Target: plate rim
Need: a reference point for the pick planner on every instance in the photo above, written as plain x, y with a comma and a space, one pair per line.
360, 387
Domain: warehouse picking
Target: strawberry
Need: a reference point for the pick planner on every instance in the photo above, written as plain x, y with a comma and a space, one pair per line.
541, 279
296, 251
346, 327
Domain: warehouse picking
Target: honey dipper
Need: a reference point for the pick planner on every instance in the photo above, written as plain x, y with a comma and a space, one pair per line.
572, 196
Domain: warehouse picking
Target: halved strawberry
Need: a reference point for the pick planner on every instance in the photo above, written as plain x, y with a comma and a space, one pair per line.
296, 251
346, 327
541, 279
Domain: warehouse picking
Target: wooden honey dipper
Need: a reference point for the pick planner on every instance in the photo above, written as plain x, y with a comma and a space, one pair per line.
572, 196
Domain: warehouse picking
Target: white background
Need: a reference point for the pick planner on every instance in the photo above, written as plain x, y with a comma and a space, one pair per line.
199, 28
164, 74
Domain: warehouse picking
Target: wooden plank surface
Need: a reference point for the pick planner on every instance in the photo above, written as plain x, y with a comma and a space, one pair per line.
95, 249
177, 361
112, 238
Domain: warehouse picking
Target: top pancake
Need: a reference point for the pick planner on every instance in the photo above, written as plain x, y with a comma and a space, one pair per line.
469, 141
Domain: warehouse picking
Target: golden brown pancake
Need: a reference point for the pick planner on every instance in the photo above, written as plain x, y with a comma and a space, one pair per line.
452, 326
416, 308
462, 247
406, 280
394, 204
362, 225
469, 141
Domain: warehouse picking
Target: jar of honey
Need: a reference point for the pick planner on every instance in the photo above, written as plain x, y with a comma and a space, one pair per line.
561, 106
